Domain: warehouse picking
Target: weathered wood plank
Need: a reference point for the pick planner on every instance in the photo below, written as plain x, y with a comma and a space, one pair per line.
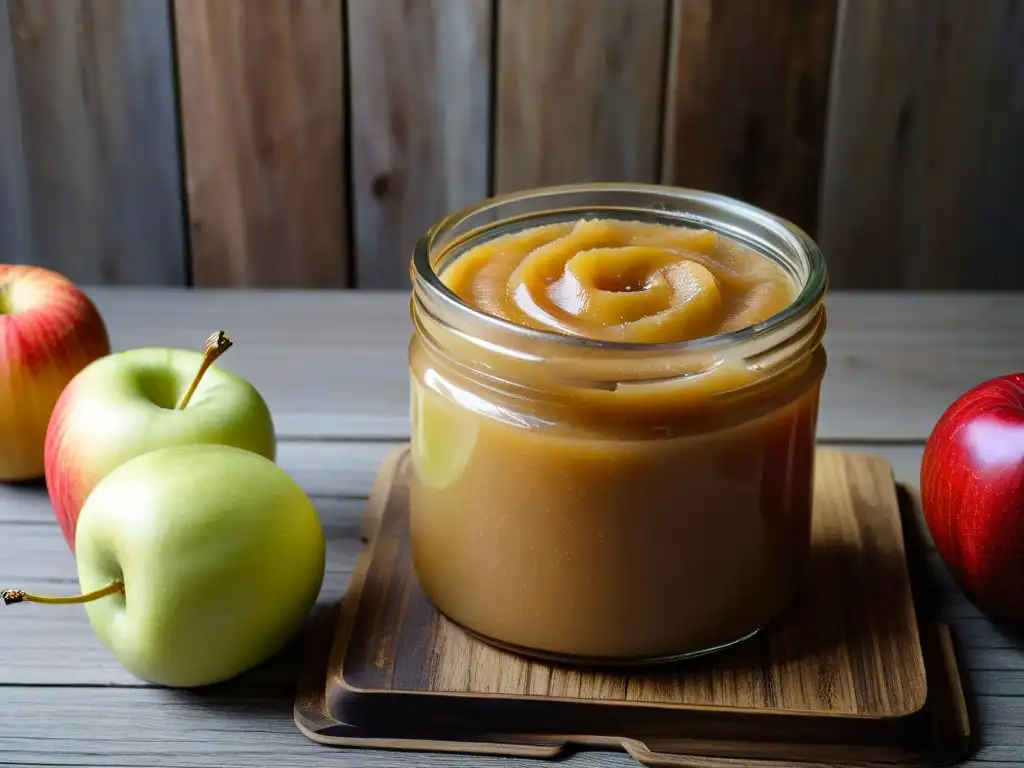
334, 365
218, 728
322, 468
905, 460
580, 84
96, 88
329, 364
997, 683
926, 146
420, 90
230, 727
15, 221
263, 121
263, 695
747, 99
342, 469
897, 361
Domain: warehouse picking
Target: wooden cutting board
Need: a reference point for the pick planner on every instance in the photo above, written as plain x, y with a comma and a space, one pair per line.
856, 672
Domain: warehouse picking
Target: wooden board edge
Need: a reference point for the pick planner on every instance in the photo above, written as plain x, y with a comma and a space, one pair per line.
324, 736
339, 689
380, 494
909, 534
959, 715
639, 752
313, 720
954, 723
950, 729
380, 491
323, 649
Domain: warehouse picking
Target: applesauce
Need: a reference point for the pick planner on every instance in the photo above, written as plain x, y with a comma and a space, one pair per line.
614, 395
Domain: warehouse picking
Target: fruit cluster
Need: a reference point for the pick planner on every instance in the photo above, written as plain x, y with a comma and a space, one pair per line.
197, 555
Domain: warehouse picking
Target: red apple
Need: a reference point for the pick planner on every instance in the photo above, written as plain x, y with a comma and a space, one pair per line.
49, 331
972, 493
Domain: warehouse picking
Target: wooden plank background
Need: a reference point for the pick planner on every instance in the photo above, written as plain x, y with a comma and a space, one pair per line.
924, 170
93, 140
580, 84
308, 143
262, 108
420, 96
747, 100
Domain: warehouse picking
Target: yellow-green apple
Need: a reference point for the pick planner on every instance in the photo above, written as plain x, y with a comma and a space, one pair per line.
197, 562
49, 331
132, 402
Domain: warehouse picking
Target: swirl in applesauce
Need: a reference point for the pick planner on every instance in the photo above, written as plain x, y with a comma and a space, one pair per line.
624, 281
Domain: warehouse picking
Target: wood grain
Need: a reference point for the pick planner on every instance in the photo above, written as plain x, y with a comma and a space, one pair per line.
324, 468
229, 728
580, 84
896, 360
420, 89
263, 122
926, 146
98, 135
220, 728
15, 221
746, 101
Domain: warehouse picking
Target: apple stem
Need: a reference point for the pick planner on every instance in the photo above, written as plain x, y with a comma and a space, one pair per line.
216, 345
12, 596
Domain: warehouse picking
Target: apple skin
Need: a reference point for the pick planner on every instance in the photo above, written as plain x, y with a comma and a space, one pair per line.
49, 331
123, 405
221, 554
972, 493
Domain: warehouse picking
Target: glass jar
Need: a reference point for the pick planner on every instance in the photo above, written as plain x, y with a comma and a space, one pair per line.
606, 502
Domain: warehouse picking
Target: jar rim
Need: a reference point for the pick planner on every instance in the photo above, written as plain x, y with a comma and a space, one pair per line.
810, 294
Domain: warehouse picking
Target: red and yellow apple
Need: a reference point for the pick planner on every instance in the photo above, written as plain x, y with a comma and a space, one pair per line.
49, 331
139, 400
972, 493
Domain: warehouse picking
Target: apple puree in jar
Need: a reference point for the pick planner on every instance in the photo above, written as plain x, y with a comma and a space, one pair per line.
622, 484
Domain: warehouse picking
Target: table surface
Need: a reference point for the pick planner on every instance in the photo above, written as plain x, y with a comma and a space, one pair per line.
332, 366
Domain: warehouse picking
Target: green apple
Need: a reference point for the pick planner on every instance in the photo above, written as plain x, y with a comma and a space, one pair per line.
128, 403
215, 554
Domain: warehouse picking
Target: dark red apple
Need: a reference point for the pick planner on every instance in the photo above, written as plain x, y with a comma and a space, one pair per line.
972, 493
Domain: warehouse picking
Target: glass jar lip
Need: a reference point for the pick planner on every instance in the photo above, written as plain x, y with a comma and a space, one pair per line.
810, 294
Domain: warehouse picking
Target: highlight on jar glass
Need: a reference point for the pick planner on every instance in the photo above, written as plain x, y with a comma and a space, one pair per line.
614, 398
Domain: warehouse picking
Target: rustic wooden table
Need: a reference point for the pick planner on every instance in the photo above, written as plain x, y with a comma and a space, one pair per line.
332, 367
